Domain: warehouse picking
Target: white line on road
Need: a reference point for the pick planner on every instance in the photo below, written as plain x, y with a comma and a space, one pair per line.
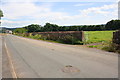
14, 75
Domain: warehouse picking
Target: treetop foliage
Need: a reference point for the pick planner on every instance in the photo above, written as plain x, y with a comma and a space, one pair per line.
111, 25
1, 13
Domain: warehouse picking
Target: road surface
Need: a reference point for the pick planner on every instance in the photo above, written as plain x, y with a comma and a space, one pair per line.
0, 57
30, 58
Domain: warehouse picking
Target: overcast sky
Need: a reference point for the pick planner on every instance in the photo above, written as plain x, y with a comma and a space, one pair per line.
20, 13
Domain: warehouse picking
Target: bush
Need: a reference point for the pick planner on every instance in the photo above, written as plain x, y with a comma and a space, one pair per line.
92, 46
35, 36
110, 48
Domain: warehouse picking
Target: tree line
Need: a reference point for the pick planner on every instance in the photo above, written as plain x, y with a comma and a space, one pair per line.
111, 25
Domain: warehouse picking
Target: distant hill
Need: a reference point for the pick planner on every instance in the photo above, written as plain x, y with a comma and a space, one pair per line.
7, 28
3, 29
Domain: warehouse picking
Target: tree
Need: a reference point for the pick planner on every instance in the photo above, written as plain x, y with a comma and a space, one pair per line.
33, 28
20, 30
1, 13
113, 25
51, 27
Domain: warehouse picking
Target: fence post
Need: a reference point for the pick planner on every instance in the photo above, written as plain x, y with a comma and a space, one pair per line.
86, 37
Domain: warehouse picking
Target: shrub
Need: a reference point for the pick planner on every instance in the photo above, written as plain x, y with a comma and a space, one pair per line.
92, 46
110, 48
35, 36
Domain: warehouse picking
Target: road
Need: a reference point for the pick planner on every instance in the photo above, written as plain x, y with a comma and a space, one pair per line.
39, 59
0, 57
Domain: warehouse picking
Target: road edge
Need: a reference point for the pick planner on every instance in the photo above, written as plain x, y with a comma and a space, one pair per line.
14, 75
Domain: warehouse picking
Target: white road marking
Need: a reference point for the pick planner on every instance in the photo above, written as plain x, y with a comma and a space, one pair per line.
14, 75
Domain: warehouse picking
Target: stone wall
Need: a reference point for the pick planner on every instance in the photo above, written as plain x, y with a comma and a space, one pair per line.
116, 39
62, 35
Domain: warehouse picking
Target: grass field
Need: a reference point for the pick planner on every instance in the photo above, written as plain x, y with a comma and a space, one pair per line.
98, 36
100, 39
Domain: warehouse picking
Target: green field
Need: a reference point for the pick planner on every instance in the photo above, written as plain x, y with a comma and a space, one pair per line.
98, 36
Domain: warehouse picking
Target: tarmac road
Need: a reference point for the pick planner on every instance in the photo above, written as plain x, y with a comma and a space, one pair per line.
0, 56
39, 59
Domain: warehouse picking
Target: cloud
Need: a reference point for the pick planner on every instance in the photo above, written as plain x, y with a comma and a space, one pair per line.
10, 23
25, 1
83, 4
105, 10
30, 12
60, 0
22, 14
17, 10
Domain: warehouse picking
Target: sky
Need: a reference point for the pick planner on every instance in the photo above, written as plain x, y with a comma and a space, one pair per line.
20, 13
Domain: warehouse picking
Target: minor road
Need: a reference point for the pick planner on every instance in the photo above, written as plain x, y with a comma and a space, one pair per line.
40, 59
